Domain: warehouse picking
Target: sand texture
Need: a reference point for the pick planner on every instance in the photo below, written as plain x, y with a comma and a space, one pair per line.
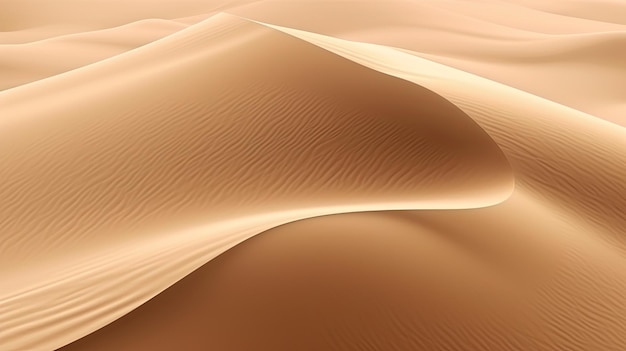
313, 175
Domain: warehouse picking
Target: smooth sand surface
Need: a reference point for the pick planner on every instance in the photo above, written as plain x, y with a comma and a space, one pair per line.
312, 175
22, 63
410, 280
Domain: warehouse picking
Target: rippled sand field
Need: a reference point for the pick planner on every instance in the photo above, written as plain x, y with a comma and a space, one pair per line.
313, 175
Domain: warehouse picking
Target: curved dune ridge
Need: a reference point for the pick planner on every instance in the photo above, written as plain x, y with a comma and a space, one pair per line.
312, 175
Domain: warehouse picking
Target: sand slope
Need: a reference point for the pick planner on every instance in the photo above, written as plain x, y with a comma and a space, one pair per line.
450, 280
22, 63
144, 142
575, 46
544, 265
580, 61
104, 179
555, 151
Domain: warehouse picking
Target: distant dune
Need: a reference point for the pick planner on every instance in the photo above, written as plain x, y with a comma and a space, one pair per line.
314, 175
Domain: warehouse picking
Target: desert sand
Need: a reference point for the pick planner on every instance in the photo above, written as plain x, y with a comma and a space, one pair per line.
313, 175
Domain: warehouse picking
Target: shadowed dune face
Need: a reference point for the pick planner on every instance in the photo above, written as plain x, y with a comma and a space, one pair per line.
423, 280
350, 282
312, 175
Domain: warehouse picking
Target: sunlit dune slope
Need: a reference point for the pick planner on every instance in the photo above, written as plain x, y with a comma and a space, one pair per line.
28, 20
22, 63
578, 61
576, 47
228, 120
611, 11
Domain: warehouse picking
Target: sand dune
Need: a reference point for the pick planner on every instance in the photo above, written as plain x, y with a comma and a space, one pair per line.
29, 19
611, 11
21, 63
424, 280
540, 40
307, 130
485, 39
411, 131
355, 175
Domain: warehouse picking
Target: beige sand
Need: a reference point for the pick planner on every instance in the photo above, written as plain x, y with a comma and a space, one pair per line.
140, 144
